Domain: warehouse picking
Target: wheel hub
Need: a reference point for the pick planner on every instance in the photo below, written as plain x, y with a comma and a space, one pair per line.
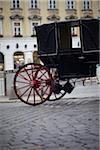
35, 83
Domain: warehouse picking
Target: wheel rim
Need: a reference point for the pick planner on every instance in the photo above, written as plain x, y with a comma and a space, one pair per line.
33, 84
55, 96
62, 93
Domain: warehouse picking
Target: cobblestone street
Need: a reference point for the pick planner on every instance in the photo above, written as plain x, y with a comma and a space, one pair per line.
67, 124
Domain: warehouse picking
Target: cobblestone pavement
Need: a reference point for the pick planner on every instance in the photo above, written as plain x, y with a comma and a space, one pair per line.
71, 124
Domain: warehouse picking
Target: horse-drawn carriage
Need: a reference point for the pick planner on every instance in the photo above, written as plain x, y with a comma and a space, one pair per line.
68, 50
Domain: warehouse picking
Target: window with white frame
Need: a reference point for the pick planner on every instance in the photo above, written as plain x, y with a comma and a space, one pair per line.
33, 24
33, 4
17, 28
74, 31
52, 4
70, 4
75, 35
86, 4
15, 3
0, 27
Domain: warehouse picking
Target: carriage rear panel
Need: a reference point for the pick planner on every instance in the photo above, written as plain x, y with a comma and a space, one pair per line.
57, 47
90, 35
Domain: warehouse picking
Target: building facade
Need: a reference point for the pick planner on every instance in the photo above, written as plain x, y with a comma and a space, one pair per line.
18, 18
18, 44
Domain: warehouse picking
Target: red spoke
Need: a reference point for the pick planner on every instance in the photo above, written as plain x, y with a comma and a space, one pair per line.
23, 87
27, 73
23, 77
42, 80
42, 75
46, 90
34, 95
22, 82
29, 94
32, 71
24, 92
39, 94
41, 87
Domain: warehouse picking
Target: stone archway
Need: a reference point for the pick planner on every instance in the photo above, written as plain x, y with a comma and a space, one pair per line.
36, 58
1, 62
19, 59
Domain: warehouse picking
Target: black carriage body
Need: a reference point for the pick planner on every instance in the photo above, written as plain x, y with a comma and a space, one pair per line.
71, 46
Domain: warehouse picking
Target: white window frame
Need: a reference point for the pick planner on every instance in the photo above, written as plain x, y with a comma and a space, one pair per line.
52, 4
0, 26
73, 31
34, 4
86, 4
17, 4
32, 26
70, 4
17, 28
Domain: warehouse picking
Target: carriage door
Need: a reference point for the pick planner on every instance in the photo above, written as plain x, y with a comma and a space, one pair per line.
2, 75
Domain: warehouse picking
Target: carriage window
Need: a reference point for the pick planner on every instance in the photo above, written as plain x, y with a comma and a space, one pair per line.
75, 36
69, 37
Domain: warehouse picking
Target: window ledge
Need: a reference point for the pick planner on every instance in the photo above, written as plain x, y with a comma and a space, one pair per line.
86, 10
34, 9
52, 9
16, 9
18, 36
71, 9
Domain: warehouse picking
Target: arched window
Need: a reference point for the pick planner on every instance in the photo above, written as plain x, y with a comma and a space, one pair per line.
1, 62
18, 59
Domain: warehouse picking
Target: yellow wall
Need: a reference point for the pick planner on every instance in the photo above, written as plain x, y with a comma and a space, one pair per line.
44, 13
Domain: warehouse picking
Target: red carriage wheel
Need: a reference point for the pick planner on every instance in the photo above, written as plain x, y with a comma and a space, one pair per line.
33, 84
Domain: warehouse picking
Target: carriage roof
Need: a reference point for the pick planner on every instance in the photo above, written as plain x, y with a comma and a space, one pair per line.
57, 37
